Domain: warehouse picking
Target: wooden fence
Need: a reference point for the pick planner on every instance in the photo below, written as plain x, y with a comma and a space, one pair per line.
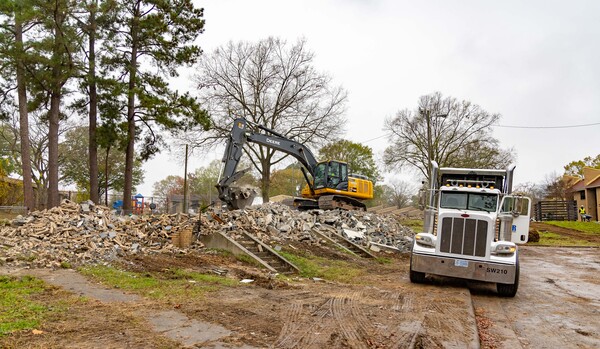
556, 210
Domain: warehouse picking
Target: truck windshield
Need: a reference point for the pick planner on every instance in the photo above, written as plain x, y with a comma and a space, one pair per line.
469, 201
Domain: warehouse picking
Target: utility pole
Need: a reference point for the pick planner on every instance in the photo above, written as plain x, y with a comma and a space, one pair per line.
429, 150
427, 114
185, 190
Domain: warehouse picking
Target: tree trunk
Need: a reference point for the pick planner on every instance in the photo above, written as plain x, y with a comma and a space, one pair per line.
28, 197
57, 82
93, 145
129, 155
53, 119
266, 179
106, 176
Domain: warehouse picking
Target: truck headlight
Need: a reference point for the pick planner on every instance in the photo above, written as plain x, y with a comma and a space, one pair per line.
504, 248
425, 239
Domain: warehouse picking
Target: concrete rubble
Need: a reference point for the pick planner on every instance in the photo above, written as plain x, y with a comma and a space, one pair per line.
273, 223
75, 234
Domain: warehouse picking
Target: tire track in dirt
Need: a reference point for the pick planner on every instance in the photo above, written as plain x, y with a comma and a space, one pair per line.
348, 327
291, 325
339, 320
407, 329
301, 331
365, 326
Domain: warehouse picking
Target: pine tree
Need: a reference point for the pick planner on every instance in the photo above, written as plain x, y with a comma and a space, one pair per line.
153, 39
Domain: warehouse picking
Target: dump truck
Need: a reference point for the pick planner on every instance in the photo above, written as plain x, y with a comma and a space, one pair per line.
472, 228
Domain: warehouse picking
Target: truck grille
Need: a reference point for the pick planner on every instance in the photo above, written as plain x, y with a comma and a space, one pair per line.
464, 236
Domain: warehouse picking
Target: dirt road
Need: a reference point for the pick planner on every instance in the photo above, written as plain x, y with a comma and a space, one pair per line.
557, 307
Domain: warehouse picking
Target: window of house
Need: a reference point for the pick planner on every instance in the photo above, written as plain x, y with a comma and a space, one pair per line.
582, 195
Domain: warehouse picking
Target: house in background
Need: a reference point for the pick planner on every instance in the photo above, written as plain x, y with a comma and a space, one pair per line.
586, 191
175, 203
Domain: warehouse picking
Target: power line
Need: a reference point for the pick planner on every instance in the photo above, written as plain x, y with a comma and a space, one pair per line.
376, 138
509, 126
542, 127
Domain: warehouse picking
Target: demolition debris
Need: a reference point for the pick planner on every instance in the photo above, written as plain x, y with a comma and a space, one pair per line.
75, 234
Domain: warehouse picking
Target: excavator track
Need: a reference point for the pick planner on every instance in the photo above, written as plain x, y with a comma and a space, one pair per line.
330, 202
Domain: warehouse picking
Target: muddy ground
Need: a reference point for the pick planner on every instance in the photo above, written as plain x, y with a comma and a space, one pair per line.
557, 306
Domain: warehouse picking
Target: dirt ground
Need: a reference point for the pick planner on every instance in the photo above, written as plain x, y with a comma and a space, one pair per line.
557, 306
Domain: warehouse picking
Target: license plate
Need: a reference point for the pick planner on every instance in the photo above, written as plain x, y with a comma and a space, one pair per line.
461, 263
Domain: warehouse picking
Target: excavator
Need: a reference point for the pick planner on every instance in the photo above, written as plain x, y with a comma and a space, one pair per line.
329, 185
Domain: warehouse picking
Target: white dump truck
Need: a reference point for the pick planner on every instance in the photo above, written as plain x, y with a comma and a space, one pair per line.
472, 228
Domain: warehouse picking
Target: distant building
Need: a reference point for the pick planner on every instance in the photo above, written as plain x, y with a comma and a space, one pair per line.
586, 191
175, 203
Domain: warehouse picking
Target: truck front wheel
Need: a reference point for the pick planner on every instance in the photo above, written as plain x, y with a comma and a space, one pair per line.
416, 277
509, 290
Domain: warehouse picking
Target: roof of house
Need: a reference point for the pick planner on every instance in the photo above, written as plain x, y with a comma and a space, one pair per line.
591, 176
595, 183
578, 186
14, 181
591, 179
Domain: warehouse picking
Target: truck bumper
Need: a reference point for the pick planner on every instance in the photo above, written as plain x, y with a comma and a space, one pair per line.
463, 268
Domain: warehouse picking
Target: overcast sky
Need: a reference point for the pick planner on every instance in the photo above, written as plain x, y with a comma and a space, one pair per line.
537, 63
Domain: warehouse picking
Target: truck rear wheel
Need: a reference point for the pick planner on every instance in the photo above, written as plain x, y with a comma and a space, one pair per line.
509, 290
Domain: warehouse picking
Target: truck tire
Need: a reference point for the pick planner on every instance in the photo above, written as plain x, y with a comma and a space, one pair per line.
509, 290
416, 277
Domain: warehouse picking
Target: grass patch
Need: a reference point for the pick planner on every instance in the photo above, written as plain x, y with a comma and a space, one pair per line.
592, 228
415, 224
384, 260
333, 270
66, 265
26, 257
173, 285
220, 251
244, 258
554, 239
18, 310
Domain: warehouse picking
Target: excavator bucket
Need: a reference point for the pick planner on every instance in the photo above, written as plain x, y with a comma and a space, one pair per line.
240, 197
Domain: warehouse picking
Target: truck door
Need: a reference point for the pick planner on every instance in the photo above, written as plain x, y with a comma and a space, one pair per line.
519, 207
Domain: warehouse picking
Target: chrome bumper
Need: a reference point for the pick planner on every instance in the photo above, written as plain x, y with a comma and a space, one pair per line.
463, 268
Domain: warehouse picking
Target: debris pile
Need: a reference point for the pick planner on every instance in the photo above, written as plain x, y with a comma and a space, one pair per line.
74, 234
273, 222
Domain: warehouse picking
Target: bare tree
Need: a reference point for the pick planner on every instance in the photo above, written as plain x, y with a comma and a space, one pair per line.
555, 187
272, 84
454, 133
400, 192
38, 148
530, 189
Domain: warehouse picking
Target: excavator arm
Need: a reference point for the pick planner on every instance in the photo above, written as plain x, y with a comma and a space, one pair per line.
237, 197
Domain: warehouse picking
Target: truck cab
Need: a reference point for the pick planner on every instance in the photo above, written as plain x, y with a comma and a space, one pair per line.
472, 228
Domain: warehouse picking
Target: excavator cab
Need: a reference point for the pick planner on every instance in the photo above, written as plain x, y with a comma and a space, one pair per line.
331, 174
